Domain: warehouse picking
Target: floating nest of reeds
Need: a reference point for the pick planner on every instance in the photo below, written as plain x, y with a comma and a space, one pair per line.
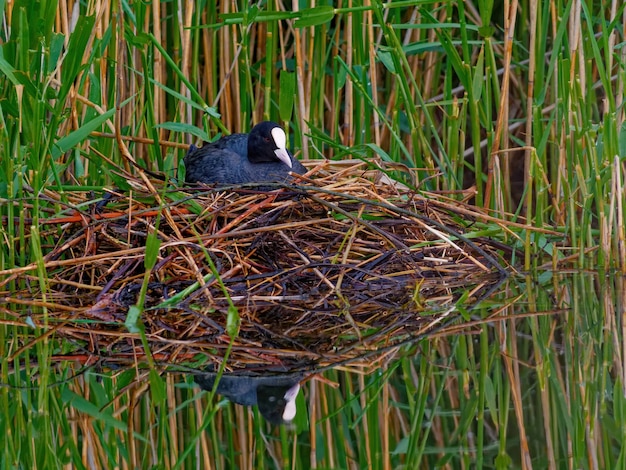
338, 267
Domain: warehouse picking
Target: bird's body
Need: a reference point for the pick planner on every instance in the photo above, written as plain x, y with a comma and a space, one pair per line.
274, 392
258, 157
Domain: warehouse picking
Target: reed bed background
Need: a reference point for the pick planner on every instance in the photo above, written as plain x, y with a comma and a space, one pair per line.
515, 107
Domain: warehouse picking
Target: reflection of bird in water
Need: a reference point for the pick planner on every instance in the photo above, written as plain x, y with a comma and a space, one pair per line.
275, 395
258, 157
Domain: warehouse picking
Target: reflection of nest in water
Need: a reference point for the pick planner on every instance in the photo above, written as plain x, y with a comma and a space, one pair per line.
321, 274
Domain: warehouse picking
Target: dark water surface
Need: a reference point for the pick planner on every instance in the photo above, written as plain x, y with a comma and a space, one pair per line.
523, 373
533, 376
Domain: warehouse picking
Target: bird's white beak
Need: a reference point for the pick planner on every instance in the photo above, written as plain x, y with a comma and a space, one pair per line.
283, 156
280, 139
290, 408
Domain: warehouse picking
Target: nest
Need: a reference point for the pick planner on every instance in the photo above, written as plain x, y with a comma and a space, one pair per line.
341, 267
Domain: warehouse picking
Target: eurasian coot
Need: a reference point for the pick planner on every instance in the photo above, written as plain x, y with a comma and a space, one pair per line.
274, 393
258, 157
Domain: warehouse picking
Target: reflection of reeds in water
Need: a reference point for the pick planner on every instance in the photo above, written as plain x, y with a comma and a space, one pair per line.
320, 273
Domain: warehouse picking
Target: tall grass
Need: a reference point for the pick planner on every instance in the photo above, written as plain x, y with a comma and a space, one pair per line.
520, 104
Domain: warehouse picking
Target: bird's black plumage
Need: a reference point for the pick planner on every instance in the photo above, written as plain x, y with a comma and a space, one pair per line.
258, 157
274, 393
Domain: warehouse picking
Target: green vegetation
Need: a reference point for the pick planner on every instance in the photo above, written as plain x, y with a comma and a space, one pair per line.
520, 110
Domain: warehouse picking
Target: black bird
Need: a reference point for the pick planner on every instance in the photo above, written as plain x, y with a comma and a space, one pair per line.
258, 157
275, 395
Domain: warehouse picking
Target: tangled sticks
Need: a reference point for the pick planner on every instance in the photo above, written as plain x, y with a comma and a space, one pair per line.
320, 273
